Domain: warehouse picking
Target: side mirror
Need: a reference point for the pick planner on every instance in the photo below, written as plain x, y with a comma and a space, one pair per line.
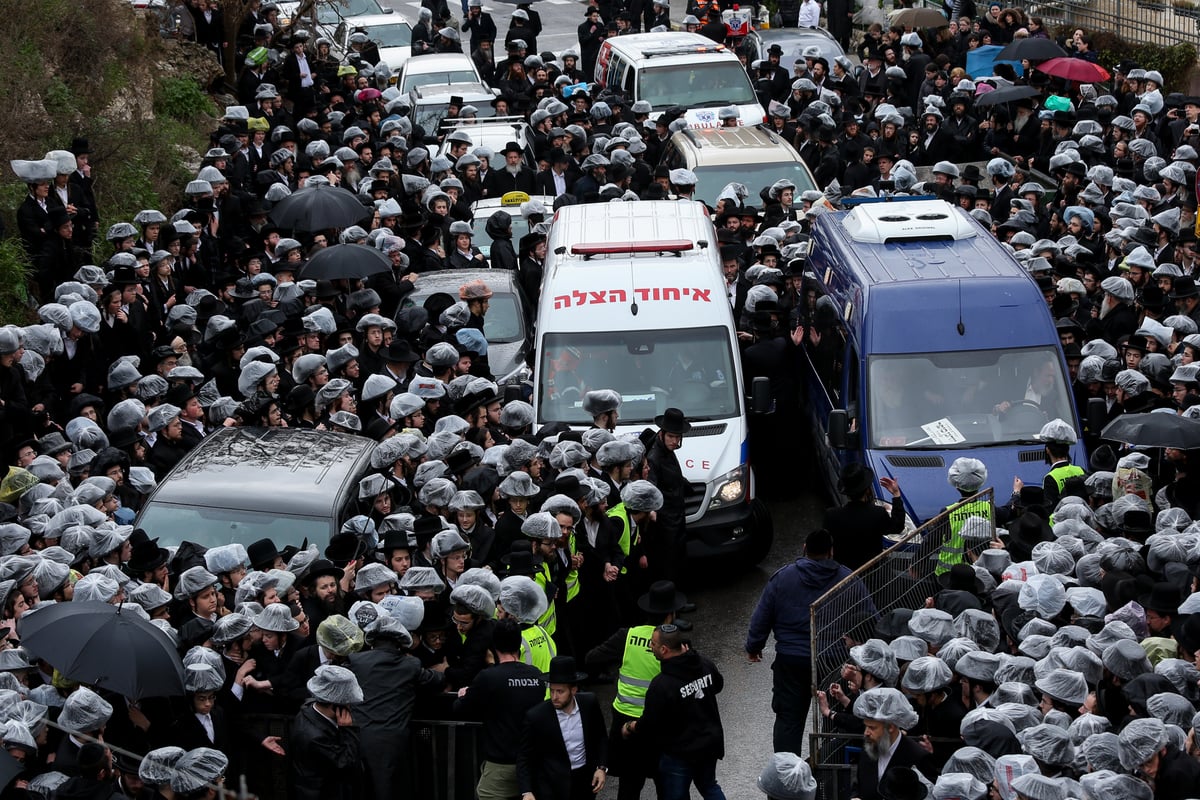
839, 428
512, 391
1096, 413
760, 396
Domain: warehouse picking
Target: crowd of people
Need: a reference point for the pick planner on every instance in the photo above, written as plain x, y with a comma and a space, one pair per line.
492, 560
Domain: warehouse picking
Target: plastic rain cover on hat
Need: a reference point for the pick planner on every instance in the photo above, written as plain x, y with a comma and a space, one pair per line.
889, 706
522, 598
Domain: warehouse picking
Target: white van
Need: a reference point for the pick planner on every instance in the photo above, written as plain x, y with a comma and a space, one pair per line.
633, 300
679, 69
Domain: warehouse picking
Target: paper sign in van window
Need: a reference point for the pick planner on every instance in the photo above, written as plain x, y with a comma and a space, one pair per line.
943, 432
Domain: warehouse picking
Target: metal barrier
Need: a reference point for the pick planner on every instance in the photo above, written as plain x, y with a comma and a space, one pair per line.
900, 577
1157, 22
446, 757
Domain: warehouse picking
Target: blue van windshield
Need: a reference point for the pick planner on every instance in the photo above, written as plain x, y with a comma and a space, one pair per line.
690, 368
965, 399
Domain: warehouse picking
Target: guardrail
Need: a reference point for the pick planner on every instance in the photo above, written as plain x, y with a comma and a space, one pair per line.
900, 577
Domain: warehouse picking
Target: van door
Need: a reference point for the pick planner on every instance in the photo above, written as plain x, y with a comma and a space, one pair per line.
827, 390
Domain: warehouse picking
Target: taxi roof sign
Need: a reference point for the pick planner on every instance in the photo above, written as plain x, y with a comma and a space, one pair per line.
513, 199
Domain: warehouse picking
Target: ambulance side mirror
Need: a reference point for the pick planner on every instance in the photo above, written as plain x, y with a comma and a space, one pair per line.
839, 428
1096, 413
760, 396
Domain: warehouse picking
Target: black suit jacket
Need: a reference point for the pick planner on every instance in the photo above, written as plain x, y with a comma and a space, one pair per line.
543, 766
543, 182
908, 754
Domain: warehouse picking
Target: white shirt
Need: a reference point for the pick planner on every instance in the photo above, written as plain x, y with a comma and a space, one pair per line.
571, 724
810, 14
62, 194
206, 723
560, 183
306, 81
887, 757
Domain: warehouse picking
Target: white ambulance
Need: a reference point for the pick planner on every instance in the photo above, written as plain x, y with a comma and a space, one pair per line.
679, 69
633, 300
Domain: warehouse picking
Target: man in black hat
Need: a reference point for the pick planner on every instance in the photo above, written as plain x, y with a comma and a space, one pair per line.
630, 649
500, 697
264, 556
563, 752
148, 562
667, 475
859, 526
514, 176
89, 220
322, 591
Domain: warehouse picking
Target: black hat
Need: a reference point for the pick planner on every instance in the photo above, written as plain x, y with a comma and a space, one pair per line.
323, 567
1103, 459
521, 560
147, 556
1163, 598
856, 479
460, 461
673, 421
1184, 286
961, 577
426, 528
299, 398
399, 351
262, 554
80, 146
562, 670
58, 216
395, 540
344, 548
662, 599
971, 173
437, 618
570, 486
1137, 522
512, 147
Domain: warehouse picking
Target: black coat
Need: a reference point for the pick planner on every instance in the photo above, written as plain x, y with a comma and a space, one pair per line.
681, 718
858, 529
543, 766
325, 758
667, 475
908, 754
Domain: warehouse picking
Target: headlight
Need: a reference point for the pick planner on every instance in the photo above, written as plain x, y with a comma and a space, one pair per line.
731, 488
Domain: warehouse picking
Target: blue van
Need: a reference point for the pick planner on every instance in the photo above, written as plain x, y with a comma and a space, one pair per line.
935, 344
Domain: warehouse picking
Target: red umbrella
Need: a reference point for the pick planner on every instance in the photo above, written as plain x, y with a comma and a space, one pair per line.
1074, 69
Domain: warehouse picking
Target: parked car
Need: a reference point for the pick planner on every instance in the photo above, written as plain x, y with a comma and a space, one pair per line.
439, 69
751, 156
793, 41
430, 102
243, 484
330, 13
507, 325
510, 202
390, 33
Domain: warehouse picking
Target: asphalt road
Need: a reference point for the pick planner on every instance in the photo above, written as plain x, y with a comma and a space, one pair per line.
725, 599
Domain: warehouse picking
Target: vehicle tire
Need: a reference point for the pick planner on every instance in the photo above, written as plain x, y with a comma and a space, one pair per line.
763, 536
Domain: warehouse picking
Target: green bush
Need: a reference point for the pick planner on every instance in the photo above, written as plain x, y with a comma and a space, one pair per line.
14, 277
182, 99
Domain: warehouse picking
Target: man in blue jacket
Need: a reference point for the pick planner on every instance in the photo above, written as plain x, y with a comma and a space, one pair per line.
783, 610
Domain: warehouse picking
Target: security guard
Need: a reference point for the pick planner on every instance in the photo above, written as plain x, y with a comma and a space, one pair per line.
1058, 436
521, 598
967, 475
630, 647
543, 528
639, 501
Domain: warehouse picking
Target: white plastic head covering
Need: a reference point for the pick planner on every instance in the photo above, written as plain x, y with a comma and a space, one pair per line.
1126, 659
641, 496
967, 474
95, 587
522, 598
1139, 741
158, 766
475, 598
889, 706
926, 674
958, 786
876, 657
410, 611
335, 685
932, 625
226, 558
972, 761
84, 711
1011, 767
1057, 431
787, 777
198, 768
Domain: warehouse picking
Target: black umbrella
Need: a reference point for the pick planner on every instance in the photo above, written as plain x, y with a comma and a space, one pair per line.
1154, 430
9, 769
1032, 49
317, 208
345, 261
1005, 94
103, 645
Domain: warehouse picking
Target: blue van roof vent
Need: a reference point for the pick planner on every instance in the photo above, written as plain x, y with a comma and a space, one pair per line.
908, 221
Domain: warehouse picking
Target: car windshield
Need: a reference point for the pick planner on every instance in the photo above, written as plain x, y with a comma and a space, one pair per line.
335, 10
712, 179
212, 526
429, 116
721, 83
965, 399
501, 324
483, 240
413, 80
688, 368
398, 35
